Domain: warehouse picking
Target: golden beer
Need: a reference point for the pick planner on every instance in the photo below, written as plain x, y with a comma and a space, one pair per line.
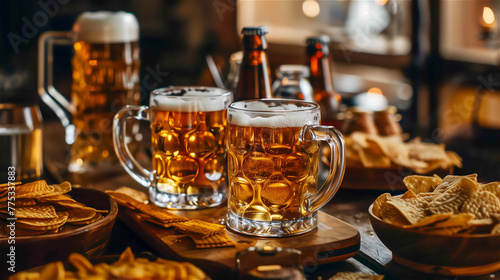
273, 156
21, 142
189, 151
271, 171
188, 138
105, 79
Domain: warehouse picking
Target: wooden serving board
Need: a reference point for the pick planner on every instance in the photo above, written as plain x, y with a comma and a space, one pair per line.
333, 240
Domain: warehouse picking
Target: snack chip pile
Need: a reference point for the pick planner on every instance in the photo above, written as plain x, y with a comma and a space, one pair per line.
40, 208
374, 151
453, 205
203, 234
127, 267
348, 275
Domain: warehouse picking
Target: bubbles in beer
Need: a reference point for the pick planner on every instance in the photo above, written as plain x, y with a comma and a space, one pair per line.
296, 167
257, 167
277, 193
277, 169
183, 122
277, 142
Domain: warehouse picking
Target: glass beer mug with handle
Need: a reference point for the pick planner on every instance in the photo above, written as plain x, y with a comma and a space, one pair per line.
105, 78
188, 134
273, 156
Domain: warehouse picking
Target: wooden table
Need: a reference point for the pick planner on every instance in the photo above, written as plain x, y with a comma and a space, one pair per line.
348, 205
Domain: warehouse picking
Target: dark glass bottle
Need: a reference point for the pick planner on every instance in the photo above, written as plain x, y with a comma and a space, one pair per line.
321, 79
254, 78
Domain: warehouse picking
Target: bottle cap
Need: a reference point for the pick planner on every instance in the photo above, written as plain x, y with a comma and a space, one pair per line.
254, 30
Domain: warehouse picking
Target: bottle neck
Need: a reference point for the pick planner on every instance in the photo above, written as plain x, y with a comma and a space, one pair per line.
254, 78
319, 64
254, 43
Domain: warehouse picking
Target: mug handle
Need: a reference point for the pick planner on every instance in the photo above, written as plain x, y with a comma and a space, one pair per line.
131, 165
48, 93
337, 163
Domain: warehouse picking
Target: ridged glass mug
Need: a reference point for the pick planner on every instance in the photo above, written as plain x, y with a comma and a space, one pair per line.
273, 155
188, 134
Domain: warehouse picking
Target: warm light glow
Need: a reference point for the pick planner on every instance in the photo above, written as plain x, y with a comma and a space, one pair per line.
488, 16
381, 2
310, 8
375, 90
270, 267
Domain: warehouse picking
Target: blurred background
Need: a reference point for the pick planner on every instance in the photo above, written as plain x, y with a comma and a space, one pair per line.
436, 61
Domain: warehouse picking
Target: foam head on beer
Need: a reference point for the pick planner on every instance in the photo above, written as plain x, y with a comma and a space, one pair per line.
106, 27
273, 114
190, 99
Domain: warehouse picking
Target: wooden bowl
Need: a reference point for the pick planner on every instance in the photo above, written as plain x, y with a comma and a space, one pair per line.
390, 179
451, 255
89, 240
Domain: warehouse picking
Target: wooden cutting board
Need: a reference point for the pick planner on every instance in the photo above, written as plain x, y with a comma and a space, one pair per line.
333, 241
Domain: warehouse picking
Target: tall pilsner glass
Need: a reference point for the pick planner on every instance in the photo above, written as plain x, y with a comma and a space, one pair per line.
105, 78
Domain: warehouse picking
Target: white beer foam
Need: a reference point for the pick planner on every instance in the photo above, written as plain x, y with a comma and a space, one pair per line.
282, 115
106, 27
190, 99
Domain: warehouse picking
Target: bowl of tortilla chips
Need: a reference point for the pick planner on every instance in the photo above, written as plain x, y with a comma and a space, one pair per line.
385, 160
448, 226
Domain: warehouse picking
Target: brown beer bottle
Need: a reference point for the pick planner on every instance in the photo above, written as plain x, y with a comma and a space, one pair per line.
321, 79
254, 78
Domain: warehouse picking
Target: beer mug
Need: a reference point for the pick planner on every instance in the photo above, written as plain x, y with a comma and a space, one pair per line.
21, 142
273, 156
188, 132
105, 78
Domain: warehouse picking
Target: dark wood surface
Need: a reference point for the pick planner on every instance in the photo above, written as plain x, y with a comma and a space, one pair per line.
333, 240
348, 205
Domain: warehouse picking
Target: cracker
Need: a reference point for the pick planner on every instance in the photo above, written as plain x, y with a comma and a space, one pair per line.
412, 209
43, 225
482, 205
159, 213
451, 200
493, 187
427, 151
59, 189
36, 212
450, 180
429, 220
31, 190
80, 214
18, 202
379, 202
199, 227
421, 184
94, 219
